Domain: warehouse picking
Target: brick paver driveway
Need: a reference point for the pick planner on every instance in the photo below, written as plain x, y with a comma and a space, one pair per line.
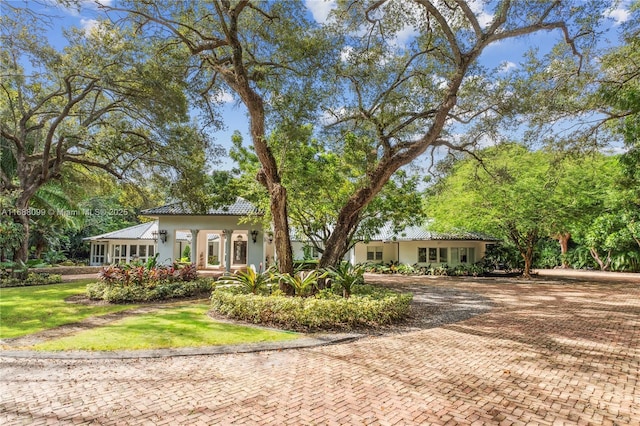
548, 351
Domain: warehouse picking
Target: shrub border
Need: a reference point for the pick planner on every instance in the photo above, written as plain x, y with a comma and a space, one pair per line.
379, 308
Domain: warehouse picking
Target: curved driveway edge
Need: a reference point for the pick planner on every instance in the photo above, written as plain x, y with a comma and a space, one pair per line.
305, 342
549, 351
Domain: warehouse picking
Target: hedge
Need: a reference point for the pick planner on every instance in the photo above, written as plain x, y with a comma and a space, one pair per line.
132, 293
326, 311
31, 279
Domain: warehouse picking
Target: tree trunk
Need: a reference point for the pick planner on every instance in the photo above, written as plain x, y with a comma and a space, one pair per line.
22, 217
604, 264
281, 239
528, 263
563, 238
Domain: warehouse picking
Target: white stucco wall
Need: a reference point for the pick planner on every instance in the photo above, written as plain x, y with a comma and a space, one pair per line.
407, 251
209, 224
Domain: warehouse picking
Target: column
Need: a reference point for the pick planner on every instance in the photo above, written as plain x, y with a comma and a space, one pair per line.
194, 246
228, 233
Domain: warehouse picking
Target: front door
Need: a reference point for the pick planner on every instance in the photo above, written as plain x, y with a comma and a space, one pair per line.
239, 252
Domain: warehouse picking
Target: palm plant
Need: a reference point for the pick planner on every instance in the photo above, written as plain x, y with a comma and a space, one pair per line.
303, 283
347, 276
250, 281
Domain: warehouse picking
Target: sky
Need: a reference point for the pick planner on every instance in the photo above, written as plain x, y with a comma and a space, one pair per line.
234, 115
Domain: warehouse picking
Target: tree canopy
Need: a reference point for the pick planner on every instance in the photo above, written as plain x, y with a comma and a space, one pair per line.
400, 98
102, 102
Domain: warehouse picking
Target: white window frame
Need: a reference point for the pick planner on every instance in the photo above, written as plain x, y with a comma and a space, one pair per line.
375, 253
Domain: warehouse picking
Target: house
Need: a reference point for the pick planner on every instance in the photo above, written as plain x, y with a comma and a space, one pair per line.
231, 237
210, 237
412, 245
419, 245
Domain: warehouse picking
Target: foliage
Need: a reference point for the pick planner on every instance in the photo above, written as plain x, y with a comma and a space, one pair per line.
186, 253
504, 257
547, 254
31, 279
524, 196
164, 290
508, 195
304, 283
347, 276
137, 283
323, 178
11, 236
326, 311
393, 99
249, 281
105, 101
475, 270
579, 257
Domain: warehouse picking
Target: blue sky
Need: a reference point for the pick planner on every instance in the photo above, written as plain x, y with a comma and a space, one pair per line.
508, 52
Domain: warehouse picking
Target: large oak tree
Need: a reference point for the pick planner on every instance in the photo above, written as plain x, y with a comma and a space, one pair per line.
98, 103
402, 95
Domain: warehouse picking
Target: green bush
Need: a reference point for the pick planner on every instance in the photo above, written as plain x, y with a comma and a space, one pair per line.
31, 279
132, 293
249, 281
367, 306
136, 283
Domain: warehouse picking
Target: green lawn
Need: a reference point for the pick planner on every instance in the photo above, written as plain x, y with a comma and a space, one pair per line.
27, 310
177, 326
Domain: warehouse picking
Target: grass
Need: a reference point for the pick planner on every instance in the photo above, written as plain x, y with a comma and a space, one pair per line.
27, 310
176, 326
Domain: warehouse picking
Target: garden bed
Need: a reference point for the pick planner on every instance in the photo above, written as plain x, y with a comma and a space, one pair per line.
367, 307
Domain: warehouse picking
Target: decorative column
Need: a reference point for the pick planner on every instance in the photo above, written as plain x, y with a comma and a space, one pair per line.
228, 233
194, 246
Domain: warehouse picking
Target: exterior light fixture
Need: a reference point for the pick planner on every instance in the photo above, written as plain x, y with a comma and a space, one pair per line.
254, 235
163, 235
154, 235
270, 237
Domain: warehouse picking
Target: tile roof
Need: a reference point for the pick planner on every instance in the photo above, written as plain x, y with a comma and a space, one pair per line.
143, 231
240, 207
422, 233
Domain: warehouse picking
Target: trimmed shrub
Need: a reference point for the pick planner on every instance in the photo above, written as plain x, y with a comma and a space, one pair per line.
117, 293
367, 307
32, 278
130, 284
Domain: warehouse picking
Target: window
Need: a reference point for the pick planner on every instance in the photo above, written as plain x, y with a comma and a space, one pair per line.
443, 254
143, 251
374, 253
464, 255
422, 255
120, 253
433, 255
133, 251
98, 254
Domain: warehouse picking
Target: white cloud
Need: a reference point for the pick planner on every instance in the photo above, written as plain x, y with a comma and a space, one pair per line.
477, 7
93, 4
222, 97
88, 25
507, 66
320, 9
346, 53
619, 16
406, 34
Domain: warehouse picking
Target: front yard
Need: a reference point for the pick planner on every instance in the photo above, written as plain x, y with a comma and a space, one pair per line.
25, 311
